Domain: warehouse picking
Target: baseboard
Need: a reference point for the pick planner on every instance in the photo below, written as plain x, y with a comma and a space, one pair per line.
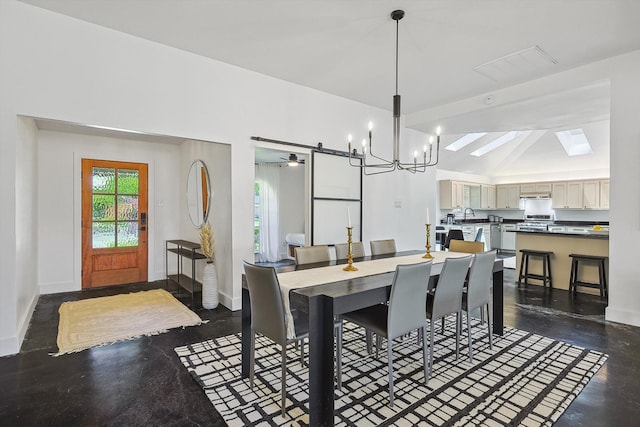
9, 346
232, 304
23, 326
622, 316
56, 287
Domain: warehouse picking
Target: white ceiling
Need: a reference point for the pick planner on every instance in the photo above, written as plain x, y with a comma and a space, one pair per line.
347, 47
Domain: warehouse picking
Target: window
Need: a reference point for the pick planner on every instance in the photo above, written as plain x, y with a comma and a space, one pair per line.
114, 207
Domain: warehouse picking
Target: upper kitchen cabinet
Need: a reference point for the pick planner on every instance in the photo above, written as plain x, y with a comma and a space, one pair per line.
567, 195
458, 195
487, 196
451, 194
508, 196
592, 194
604, 194
536, 187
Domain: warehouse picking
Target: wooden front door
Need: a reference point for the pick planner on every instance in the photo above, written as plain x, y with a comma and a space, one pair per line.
114, 223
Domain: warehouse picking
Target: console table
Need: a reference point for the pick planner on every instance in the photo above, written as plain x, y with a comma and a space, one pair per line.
183, 249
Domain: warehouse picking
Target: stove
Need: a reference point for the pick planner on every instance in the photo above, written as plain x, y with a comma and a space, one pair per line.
535, 223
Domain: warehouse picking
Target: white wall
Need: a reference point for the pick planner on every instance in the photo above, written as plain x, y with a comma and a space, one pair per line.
217, 158
624, 270
26, 223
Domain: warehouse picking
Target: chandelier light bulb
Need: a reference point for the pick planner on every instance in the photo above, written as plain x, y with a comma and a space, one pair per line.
370, 125
438, 130
349, 138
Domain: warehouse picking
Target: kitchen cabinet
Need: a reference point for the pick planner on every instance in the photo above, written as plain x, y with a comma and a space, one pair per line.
567, 195
575, 195
536, 187
487, 196
591, 194
604, 194
508, 196
451, 194
559, 195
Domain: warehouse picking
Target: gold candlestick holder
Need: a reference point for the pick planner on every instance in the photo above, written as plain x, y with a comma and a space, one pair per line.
349, 266
428, 245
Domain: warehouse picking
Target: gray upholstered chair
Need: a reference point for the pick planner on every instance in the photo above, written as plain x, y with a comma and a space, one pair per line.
447, 298
338, 324
478, 293
381, 247
342, 249
311, 254
404, 313
268, 318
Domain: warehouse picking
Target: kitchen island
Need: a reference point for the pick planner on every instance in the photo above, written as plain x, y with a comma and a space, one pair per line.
562, 244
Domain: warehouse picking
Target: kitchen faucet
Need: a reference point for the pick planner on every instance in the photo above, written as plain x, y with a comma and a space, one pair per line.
465, 213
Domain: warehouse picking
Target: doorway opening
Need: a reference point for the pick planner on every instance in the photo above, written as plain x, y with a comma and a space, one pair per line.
280, 203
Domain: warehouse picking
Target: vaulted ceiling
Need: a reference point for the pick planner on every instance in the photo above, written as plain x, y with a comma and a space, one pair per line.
449, 51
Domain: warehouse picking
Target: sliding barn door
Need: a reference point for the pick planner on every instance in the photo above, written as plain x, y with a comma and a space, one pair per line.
114, 223
336, 194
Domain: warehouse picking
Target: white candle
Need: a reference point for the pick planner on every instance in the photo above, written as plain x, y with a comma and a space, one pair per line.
428, 221
349, 217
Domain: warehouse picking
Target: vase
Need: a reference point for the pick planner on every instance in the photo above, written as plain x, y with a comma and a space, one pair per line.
210, 286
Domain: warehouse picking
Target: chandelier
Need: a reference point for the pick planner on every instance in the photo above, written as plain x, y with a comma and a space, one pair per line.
419, 164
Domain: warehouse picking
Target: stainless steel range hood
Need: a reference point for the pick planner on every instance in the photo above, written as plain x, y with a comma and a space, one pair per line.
535, 195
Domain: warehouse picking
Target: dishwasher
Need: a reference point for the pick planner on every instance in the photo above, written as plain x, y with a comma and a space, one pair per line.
508, 237
495, 241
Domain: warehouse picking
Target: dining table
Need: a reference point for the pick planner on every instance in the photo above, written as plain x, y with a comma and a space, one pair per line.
324, 298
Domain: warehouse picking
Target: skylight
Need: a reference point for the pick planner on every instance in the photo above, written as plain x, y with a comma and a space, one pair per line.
464, 141
574, 142
498, 142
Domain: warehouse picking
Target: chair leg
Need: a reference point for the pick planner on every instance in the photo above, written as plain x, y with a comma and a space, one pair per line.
301, 352
469, 336
369, 337
431, 344
283, 384
425, 357
458, 323
442, 326
378, 344
390, 368
252, 357
339, 355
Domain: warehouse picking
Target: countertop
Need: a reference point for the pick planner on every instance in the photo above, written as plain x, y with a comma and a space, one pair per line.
587, 234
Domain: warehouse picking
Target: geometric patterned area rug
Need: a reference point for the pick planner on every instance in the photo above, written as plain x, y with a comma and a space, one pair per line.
98, 321
527, 379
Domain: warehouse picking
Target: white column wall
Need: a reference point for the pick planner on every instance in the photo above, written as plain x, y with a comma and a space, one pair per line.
624, 270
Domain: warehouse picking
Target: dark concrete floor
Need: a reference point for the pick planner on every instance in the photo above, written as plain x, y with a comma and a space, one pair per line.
141, 382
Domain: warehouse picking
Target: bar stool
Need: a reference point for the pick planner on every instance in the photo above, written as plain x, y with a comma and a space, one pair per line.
574, 281
546, 267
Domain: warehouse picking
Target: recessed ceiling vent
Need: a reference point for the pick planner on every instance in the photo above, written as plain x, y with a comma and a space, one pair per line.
521, 65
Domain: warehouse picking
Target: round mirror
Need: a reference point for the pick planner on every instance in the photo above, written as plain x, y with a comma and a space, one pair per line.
198, 193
